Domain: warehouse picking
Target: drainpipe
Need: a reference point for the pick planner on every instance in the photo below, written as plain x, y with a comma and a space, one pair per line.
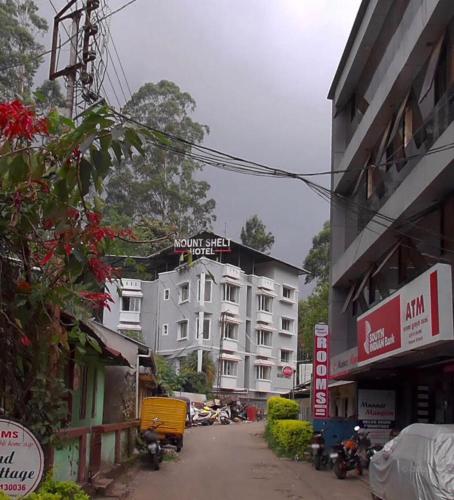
137, 380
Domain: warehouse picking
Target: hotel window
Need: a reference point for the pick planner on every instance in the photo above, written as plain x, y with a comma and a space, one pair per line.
263, 372
229, 368
182, 330
286, 356
167, 294
230, 293
264, 338
183, 293
208, 290
130, 304
165, 329
265, 303
231, 331
287, 324
287, 292
206, 328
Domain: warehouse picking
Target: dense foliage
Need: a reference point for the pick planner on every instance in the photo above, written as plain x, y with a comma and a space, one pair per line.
52, 242
317, 260
285, 435
255, 235
162, 185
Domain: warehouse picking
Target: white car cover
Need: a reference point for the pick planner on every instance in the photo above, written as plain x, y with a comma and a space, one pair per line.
416, 465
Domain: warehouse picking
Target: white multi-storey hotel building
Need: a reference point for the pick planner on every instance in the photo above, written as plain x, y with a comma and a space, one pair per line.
239, 304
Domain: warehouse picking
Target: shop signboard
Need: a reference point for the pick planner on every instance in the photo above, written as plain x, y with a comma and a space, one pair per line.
21, 460
202, 246
377, 413
417, 315
320, 394
343, 363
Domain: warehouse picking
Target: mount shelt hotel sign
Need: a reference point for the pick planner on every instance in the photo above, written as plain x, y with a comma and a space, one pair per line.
202, 246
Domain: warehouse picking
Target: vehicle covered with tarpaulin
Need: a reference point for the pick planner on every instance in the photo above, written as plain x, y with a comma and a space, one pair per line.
418, 464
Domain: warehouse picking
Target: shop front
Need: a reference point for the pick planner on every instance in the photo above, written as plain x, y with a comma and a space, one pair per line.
403, 363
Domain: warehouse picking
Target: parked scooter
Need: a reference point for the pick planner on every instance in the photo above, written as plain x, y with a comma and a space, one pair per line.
152, 444
203, 417
346, 457
225, 415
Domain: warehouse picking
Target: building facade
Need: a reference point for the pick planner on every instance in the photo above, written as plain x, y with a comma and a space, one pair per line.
241, 306
392, 211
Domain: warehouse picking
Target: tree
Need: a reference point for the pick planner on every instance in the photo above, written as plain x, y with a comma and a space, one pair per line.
20, 58
199, 382
317, 260
52, 244
254, 235
161, 185
311, 311
50, 96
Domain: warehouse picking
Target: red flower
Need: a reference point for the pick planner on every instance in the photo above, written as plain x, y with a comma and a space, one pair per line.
100, 269
17, 121
48, 224
51, 246
23, 286
68, 249
100, 300
94, 218
25, 341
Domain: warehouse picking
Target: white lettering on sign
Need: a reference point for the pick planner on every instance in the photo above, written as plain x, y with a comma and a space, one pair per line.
202, 246
320, 399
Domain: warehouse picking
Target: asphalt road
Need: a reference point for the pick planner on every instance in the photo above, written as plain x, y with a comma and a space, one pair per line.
233, 463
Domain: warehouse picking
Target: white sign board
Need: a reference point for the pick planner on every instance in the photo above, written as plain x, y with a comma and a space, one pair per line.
21, 460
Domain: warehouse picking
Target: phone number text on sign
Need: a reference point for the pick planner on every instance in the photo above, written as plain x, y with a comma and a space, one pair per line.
21, 459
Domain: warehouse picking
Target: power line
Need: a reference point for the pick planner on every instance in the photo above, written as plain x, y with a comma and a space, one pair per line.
117, 10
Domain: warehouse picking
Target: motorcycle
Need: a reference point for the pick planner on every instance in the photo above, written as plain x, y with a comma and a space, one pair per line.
319, 456
203, 417
152, 443
346, 457
225, 415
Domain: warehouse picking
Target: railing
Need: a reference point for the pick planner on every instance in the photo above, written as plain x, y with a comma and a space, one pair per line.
130, 284
81, 434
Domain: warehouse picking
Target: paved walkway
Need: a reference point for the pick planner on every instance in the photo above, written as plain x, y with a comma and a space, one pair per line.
233, 463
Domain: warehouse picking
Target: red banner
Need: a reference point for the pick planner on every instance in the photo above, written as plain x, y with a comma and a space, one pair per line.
380, 331
320, 393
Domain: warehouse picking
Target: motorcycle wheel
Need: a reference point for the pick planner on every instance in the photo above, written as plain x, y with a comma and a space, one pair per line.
340, 469
155, 462
317, 461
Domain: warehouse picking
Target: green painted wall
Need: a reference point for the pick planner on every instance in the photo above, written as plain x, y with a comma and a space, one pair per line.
108, 448
95, 369
66, 461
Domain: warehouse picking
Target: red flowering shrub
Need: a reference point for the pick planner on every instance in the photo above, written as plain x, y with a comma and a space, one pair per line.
19, 122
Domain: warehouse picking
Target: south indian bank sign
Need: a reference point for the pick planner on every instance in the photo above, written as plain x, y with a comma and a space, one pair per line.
202, 246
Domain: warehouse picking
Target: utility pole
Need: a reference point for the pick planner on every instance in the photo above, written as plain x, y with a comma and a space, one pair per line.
77, 63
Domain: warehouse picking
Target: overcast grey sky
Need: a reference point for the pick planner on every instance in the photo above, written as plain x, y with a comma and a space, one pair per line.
259, 71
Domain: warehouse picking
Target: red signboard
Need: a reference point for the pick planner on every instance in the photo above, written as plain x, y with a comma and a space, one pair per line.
287, 371
379, 331
418, 314
320, 395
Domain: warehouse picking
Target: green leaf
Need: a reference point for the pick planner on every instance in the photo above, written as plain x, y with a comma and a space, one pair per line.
18, 168
85, 170
117, 150
133, 138
101, 161
94, 343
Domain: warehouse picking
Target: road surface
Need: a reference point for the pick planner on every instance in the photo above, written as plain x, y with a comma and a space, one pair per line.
232, 462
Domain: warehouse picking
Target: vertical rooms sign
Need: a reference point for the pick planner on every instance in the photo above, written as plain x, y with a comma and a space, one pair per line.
320, 396
21, 460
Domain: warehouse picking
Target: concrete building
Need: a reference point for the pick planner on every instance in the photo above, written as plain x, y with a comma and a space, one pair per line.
238, 304
392, 211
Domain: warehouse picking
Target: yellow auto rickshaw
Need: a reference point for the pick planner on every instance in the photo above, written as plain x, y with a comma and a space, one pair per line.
171, 415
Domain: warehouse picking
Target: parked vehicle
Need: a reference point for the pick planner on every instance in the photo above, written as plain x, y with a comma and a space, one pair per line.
204, 416
320, 457
151, 440
346, 457
225, 415
417, 464
172, 416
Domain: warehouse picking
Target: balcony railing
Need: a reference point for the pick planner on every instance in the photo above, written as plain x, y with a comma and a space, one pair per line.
129, 317
232, 272
266, 283
129, 284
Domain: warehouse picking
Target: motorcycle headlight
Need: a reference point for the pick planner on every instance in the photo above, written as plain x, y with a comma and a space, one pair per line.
153, 447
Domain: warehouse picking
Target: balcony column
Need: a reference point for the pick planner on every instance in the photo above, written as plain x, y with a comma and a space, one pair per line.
200, 342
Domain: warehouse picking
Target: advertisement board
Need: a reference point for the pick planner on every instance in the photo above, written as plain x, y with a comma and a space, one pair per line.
377, 413
21, 460
343, 363
202, 246
418, 314
320, 393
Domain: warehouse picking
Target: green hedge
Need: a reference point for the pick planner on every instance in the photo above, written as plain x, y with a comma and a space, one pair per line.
55, 490
290, 438
281, 409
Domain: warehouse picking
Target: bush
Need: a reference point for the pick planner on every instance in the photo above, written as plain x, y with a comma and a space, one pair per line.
281, 409
59, 490
290, 437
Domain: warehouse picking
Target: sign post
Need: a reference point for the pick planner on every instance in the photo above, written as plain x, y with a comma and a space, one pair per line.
21, 460
320, 393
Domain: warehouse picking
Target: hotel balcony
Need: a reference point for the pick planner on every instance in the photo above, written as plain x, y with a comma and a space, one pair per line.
230, 345
130, 284
263, 385
232, 272
266, 283
263, 350
264, 317
230, 308
129, 317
